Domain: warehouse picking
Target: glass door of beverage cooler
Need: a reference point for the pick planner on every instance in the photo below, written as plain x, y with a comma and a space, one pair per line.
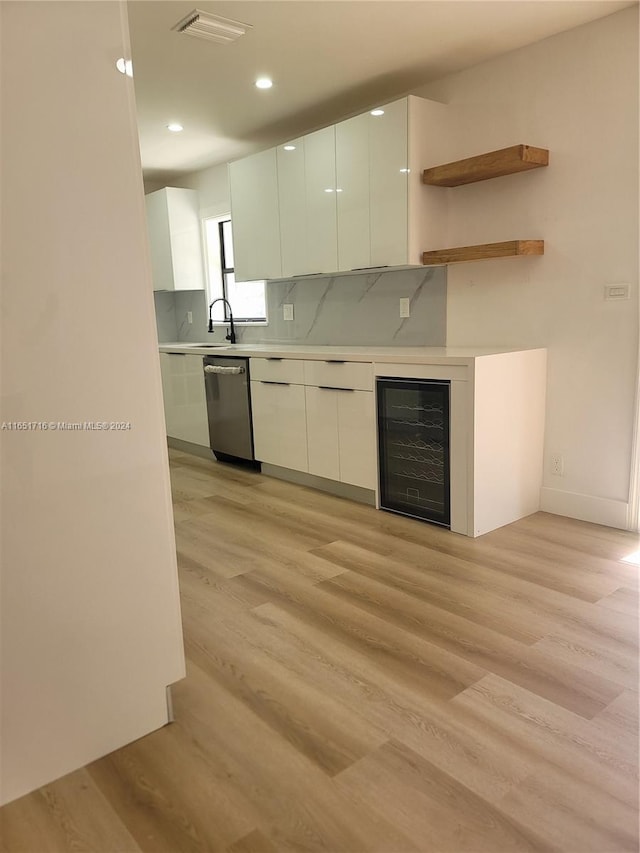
413, 439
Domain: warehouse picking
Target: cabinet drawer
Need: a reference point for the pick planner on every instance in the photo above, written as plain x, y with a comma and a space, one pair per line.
339, 374
277, 370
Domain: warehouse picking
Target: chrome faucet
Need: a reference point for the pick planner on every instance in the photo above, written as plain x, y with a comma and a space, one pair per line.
231, 337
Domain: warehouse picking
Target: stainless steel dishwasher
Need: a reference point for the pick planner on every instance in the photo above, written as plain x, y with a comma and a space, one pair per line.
229, 408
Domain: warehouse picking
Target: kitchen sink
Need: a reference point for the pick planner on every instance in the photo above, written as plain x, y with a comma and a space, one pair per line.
208, 346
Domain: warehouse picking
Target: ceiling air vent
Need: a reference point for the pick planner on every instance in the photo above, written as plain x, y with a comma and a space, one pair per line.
203, 25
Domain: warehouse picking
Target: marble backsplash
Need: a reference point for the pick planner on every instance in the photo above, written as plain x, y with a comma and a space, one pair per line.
355, 310
165, 305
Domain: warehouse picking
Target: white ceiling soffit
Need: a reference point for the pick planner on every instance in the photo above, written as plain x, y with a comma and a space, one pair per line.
211, 27
328, 59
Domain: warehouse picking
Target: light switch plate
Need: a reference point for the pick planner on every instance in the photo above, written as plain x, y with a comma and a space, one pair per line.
287, 311
405, 307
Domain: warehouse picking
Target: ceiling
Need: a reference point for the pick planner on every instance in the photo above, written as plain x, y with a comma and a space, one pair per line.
328, 59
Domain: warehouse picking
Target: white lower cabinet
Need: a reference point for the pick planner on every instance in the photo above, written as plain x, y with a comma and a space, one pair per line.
319, 416
322, 432
357, 438
341, 435
279, 424
301, 424
185, 402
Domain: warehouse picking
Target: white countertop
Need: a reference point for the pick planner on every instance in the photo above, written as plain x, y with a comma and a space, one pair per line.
391, 355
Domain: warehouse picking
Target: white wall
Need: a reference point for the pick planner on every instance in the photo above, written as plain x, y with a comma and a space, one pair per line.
213, 186
576, 94
90, 615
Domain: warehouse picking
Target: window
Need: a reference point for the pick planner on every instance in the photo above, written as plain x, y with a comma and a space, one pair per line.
247, 298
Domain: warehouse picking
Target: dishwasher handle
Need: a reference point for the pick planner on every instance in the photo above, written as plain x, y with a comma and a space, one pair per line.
218, 368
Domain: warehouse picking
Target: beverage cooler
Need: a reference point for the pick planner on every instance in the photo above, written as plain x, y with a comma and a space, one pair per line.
413, 446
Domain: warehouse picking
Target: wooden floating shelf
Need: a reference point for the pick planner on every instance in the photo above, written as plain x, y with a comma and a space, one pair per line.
494, 164
485, 251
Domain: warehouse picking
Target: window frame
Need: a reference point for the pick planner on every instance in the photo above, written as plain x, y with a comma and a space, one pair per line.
224, 271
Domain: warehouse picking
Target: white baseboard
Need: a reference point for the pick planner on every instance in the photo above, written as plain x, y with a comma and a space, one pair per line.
585, 507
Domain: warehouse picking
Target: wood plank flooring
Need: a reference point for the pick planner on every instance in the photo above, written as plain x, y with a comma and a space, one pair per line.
360, 682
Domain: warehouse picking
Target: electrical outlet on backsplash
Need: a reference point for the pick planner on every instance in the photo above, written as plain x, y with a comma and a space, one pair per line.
353, 310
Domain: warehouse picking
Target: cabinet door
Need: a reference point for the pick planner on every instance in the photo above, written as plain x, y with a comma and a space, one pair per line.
255, 216
352, 192
183, 209
320, 184
357, 438
159, 240
185, 403
175, 240
322, 432
279, 424
388, 146
293, 208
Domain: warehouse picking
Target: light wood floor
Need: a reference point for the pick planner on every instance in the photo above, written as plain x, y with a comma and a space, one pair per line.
361, 682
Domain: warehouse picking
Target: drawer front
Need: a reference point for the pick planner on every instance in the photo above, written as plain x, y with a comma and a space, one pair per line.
339, 374
423, 371
277, 370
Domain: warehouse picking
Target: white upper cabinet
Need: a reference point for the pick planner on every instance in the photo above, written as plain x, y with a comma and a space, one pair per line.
349, 196
388, 185
320, 185
255, 216
175, 240
292, 197
352, 192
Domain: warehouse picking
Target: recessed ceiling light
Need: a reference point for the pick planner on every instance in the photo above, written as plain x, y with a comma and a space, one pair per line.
289, 147
125, 66
329, 190
377, 112
174, 127
406, 171
338, 190
264, 83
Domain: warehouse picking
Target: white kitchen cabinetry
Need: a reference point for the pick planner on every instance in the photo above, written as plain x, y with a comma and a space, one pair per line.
320, 187
279, 424
255, 215
357, 438
316, 417
352, 201
341, 429
496, 434
341, 435
390, 159
346, 197
185, 403
322, 432
372, 165
292, 198
307, 193
175, 240
278, 412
